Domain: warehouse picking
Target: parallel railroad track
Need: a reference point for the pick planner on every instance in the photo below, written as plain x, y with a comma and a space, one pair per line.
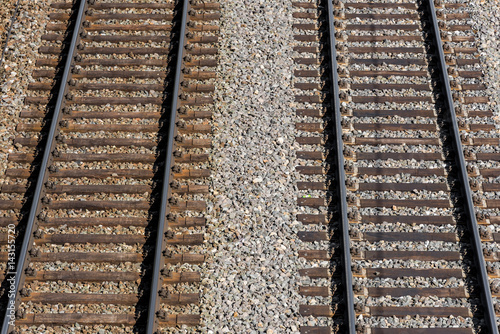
416, 247
107, 188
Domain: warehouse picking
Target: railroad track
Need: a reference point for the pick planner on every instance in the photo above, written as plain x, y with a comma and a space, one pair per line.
391, 92
105, 193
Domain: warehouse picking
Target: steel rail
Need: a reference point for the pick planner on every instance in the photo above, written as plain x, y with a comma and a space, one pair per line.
12, 20
340, 176
165, 191
43, 175
464, 182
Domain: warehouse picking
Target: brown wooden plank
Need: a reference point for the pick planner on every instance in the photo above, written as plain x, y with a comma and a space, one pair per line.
490, 172
312, 236
315, 310
400, 113
183, 277
373, 38
128, 239
396, 141
310, 155
321, 291
434, 220
321, 255
394, 127
403, 311
384, 73
85, 276
409, 203
423, 292
390, 99
105, 173
186, 239
395, 171
315, 330
10, 204
409, 236
309, 127
308, 186
398, 156
486, 186
102, 188
312, 219
382, 49
310, 140
310, 170
96, 221
385, 27
488, 156
80, 318
83, 298
449, 330
74, 257
415, 255
137, 5
409, 5
384, 16
402, 186
311, 202
424, 87
410, 272
306, 60
493, 203
388, 61
100, 205
315, 272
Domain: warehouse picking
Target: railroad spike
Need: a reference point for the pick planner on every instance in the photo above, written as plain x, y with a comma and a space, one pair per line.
30, 272
34, 252
53, 169
166, 272
180, 139
38, 234
161, 315
25, 293
163, 293
20, 314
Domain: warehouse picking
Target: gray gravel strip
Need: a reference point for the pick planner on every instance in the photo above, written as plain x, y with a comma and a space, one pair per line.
251, 280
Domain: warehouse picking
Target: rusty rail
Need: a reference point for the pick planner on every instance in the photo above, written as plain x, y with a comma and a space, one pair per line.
42, 177
482, 274
152, 321
341, 178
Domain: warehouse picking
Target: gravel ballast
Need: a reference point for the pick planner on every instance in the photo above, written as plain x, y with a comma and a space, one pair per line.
251, 281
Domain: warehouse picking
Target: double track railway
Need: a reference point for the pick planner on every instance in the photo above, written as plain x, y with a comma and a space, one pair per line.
102, 208
107, 188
